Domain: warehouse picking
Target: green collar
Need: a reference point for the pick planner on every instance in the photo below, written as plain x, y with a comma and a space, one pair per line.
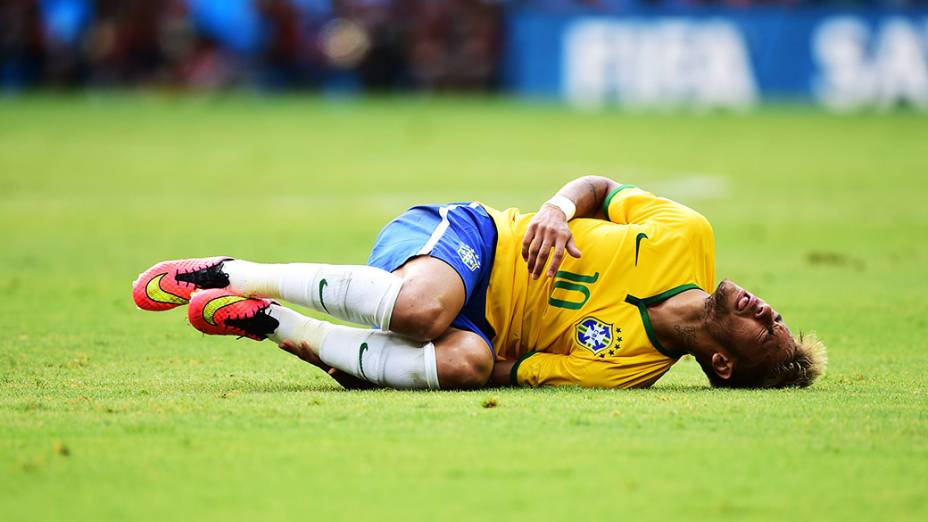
643, 305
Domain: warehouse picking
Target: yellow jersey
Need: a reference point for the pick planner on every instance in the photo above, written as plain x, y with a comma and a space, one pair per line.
589, 325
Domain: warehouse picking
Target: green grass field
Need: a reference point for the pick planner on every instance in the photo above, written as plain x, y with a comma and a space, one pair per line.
109, 413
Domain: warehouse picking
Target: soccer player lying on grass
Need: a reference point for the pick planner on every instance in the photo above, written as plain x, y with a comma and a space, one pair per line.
458, 300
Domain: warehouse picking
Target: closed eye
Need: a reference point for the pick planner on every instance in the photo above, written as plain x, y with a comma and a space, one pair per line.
777, 319
772, 329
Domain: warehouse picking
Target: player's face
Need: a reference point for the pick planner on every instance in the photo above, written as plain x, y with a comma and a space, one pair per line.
748, 323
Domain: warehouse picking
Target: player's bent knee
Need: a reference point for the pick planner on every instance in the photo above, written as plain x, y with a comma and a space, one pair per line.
420, 316
431, 297
465, 363
433, 320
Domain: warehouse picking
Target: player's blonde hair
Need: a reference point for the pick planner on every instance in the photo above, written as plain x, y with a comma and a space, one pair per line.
808, 362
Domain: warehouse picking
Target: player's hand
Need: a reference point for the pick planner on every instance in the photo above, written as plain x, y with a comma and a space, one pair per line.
304, 352
548, 230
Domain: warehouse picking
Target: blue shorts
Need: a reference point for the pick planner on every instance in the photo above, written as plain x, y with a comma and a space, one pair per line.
460, 234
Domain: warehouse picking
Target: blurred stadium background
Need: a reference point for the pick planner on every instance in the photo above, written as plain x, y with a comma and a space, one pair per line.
844, 54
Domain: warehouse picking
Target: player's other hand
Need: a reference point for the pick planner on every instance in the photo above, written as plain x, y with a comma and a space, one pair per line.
548, 230
303, 351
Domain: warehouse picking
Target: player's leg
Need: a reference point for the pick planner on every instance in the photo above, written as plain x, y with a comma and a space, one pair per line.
462, 358
432, 296
427, 292
458, 359
359, 294
423, 267
383, 358
419, 299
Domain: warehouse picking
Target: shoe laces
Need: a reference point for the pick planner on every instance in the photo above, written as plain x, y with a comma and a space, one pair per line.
208, 277
260, 323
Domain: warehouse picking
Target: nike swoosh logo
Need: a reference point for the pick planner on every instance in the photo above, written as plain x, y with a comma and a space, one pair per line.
322, 285
361, 360
160, 295
641, 235
209, 311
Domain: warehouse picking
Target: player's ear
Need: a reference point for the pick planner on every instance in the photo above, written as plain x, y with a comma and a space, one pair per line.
722, 365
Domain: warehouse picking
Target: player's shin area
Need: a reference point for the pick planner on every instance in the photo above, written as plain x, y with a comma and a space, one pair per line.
455, 360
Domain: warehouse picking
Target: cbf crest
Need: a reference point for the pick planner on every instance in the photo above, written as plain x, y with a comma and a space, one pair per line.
596, 336
468, 256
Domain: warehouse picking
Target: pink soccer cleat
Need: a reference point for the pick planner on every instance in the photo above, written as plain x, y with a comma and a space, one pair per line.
222, 312
170, 283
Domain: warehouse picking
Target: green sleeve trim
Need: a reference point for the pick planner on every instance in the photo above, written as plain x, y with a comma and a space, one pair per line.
514, 372
611, 195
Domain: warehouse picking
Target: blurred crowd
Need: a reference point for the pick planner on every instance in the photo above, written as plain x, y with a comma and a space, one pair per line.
272, 44
278, 44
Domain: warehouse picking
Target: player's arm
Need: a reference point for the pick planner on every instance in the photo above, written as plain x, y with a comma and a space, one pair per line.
502, 372
551, 369
548, 230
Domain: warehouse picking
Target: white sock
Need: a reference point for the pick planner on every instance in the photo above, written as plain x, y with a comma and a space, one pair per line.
296, 327
382, 358
360, 294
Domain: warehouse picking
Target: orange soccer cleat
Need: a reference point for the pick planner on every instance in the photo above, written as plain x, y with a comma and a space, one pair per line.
170, 283
222, 312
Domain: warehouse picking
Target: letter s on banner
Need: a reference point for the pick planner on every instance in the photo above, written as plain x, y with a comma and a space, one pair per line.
859, 67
